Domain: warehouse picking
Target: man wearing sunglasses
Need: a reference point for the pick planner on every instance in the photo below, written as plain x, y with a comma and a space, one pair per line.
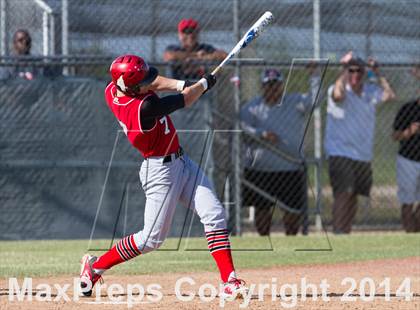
349, 136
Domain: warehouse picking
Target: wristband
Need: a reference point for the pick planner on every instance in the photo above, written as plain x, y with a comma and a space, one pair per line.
180, 86
203, 82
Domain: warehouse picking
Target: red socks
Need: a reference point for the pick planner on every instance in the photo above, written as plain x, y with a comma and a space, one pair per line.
124, 250
219, 246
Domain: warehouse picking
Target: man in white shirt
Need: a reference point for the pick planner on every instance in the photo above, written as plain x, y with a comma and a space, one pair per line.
349, 136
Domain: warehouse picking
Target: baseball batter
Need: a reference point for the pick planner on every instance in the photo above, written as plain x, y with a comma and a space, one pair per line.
167, 175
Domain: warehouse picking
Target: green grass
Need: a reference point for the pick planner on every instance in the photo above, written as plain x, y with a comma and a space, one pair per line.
51, 258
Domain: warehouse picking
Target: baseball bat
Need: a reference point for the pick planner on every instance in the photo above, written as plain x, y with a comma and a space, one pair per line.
250, 35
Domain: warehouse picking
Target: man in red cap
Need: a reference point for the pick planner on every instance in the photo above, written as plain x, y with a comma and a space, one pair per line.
182, 56
186, 62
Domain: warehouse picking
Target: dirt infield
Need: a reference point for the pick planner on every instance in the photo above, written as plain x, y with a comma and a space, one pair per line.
275, 278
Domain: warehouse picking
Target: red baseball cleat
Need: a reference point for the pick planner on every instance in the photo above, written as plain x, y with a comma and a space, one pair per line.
233, 289
87, 274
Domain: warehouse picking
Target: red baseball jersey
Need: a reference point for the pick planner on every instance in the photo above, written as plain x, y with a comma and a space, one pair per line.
161, 140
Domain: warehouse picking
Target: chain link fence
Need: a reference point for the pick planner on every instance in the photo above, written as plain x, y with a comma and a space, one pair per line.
267, 162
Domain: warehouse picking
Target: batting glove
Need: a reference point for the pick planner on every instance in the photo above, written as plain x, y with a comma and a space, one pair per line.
211, 80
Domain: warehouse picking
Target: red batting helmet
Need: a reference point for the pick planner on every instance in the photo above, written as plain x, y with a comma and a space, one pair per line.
130, 72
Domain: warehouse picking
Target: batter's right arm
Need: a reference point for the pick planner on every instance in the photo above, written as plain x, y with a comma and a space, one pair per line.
162, 83
154, 107
192, 93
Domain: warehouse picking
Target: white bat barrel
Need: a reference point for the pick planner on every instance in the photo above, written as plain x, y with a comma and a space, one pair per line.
250, 35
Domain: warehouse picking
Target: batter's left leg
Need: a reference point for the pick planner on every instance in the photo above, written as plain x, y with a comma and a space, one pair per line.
198, 195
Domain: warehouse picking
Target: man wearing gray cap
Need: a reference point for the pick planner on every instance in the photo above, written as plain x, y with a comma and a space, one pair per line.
274, 125
349, 136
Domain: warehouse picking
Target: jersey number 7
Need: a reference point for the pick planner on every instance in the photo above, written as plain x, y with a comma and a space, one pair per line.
165, 120
162, 120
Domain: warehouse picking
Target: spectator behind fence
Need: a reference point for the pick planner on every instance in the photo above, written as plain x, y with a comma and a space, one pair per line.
416, 72
183, 59
407, 132
277, 120
349, 136
183, 56
22, 43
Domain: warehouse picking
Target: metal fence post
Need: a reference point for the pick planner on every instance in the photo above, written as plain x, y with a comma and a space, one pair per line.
64, 33
45, 17
317, 114
237, 134
52, 34
369, 29
45, 34
155, 16
3, 32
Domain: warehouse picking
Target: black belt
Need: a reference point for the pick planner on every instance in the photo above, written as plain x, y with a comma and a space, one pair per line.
168, 158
